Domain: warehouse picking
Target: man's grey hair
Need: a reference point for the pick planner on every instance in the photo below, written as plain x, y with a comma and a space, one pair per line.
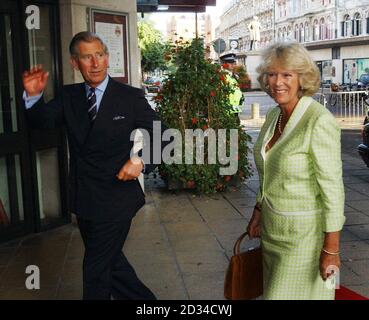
84, 36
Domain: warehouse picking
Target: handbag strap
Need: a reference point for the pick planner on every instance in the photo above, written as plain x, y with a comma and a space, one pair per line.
236, 248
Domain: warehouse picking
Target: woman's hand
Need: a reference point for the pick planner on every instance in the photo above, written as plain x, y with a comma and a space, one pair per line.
328, 264
254, 226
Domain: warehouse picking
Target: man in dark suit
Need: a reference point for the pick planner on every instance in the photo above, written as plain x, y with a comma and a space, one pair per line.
99, 116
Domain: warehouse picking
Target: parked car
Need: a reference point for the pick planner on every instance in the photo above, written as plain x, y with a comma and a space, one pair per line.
363, 148
363, 81
153, 84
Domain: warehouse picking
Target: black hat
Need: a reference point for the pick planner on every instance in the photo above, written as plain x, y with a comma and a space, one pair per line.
228, 58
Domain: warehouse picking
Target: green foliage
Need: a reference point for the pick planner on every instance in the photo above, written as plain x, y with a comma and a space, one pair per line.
152, 48
195, 96
242, 77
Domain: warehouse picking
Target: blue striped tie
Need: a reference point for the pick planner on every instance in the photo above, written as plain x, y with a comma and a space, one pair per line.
92, 104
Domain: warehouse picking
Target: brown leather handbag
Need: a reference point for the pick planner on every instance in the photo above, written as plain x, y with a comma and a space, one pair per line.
244, 277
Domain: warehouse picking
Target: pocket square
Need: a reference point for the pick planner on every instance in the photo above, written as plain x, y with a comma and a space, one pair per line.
118, 118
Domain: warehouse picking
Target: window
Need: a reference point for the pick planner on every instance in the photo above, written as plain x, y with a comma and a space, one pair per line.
356, 23
306, 32
336, 53
289, 33
330, 30
322, 33
301, 33
297, 36
315, 30
11, 195
346, 26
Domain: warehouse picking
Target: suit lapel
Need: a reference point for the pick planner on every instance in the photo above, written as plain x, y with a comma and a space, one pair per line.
106, 109
292, 123
269, 131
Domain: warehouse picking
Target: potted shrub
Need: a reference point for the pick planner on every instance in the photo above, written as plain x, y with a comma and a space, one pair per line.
195, 96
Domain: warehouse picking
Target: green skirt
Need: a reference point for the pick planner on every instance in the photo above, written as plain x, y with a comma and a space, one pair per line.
291, 245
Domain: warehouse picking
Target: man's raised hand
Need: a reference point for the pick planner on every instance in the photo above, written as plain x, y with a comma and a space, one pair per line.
35, 80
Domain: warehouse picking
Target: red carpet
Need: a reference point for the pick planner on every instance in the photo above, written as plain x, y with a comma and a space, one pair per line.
346, 294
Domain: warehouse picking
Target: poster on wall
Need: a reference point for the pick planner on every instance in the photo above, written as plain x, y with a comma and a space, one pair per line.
113, 29
350, 71
327, 71
362, 66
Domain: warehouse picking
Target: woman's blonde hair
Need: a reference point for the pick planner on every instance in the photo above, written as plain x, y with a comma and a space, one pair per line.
291, 56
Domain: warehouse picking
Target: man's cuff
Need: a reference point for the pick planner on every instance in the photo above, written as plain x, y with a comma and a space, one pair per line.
30, 101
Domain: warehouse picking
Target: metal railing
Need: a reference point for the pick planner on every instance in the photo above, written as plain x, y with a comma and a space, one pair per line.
349, 106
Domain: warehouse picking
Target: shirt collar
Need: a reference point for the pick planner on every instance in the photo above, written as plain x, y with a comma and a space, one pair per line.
101, 87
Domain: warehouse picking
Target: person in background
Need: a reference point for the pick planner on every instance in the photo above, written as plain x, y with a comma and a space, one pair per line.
299, 209
236, 97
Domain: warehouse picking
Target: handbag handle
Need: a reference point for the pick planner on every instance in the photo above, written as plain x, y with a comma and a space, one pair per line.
236, 248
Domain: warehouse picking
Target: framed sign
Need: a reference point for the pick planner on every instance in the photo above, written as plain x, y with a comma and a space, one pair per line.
112, 27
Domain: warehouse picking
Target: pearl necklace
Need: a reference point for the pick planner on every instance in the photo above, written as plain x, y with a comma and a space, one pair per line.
279, 122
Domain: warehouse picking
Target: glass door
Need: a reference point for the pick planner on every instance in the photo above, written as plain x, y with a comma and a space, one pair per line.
15, 202
33, 163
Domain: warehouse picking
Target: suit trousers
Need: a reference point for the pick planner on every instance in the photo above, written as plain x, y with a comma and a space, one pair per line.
106, 271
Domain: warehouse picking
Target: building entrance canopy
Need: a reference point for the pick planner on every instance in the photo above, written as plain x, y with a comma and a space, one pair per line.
174, 5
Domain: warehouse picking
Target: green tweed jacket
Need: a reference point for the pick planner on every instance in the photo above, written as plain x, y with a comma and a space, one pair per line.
302, 172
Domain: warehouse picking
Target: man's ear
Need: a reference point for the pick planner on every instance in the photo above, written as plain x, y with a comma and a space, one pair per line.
74, 63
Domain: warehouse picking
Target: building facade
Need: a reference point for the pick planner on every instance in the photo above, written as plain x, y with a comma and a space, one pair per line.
236, 17
185, 26
336, 32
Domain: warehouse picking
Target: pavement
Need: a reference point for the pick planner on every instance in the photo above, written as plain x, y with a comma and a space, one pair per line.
180, 244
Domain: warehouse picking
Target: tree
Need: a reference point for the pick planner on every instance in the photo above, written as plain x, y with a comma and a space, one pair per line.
152, 47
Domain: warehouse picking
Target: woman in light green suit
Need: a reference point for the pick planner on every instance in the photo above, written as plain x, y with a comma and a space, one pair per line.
300, 203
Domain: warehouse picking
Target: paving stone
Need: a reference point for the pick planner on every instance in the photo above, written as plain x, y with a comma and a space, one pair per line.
362, 206
70, 292
164, 280
360, 187
44, 293
148, 231
354, 218
360, 289
348, 276
14, 276
6, 254
186, 229
349, 209
72, 273
213, 261
360, 268
346, 235
355, 196
205, 286
141, 253
355, 250
197, 245
361, 231
215, 210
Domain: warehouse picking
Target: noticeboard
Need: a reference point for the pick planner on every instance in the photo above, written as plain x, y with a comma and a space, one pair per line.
112, 27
